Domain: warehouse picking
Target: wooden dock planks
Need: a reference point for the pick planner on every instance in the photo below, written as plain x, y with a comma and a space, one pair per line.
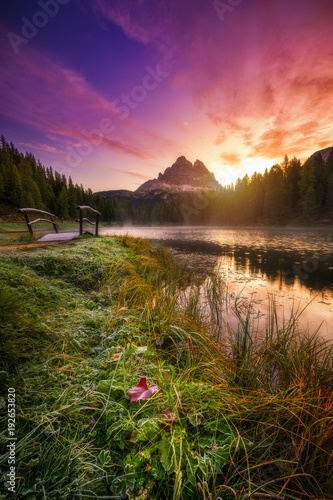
60, 236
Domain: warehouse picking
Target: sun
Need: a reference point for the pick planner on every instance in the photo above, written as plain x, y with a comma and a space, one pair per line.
228, 174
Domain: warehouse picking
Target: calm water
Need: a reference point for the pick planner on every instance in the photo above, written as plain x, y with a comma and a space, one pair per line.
293, 265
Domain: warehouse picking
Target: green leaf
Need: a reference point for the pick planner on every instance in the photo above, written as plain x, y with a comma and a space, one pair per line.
103, 458
121, 484
120, 426
195, 419
141, 350
33, 462
116, 392
147, 428
166, 454
196, 465
157, 471
219, 426
206, 442
104, 386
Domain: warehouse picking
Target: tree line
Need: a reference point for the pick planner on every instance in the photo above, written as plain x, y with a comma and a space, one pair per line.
25, 182
287, 192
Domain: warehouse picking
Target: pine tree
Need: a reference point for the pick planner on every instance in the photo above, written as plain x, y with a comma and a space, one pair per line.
319, 169
2, 185
62, 204
275, 195
72, 198
292, 182
330, 196
308, 199
309, 204
15, 186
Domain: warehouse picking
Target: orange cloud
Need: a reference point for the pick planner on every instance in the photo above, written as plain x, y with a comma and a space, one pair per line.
231, 158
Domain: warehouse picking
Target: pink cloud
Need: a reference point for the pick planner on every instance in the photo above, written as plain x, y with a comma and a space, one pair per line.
122, 147
39, 147
185, 126
42, 92
266, 62
134, 173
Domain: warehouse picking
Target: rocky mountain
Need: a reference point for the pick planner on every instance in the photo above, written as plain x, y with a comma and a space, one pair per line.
323, 152
181, 177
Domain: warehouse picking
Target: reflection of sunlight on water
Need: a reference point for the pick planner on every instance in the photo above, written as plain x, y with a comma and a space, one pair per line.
315, 309
255, 263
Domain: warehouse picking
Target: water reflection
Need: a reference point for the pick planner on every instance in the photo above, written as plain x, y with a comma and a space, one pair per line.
312, 270
283, 267
292, 266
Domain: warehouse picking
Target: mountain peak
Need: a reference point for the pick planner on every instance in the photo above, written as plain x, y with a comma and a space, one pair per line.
182, 176
182, 159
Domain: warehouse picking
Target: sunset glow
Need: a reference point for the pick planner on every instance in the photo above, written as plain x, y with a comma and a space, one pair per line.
112, 93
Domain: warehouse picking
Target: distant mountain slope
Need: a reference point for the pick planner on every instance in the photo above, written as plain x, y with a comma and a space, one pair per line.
115, 193
323, 152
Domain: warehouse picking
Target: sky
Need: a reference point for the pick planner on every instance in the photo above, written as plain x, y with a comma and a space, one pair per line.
112, 92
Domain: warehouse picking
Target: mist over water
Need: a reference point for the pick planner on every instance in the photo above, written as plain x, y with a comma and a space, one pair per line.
292, 266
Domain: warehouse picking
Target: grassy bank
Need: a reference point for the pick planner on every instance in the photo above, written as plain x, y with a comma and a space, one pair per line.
82, 323
16, 233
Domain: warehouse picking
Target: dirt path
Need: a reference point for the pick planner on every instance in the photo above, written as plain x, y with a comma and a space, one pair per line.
28, 246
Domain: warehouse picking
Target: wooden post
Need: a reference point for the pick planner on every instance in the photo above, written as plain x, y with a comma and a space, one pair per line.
28, 224
55, 227
96, 232
81, 221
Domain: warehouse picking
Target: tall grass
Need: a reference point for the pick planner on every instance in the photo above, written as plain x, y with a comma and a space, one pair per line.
236, 416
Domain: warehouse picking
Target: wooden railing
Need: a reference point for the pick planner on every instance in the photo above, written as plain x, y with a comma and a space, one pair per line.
51, 220
82, 219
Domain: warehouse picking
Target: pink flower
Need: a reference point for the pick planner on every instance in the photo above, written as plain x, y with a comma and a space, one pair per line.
141, 391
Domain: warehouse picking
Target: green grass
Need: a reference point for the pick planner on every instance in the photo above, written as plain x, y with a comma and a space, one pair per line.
16, 233
234, 417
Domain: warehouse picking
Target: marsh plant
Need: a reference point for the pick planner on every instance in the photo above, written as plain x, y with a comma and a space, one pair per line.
129, 385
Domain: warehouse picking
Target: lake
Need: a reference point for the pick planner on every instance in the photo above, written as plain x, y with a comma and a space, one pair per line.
293, 266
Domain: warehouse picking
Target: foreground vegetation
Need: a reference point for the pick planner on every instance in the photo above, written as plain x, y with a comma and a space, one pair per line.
234, 417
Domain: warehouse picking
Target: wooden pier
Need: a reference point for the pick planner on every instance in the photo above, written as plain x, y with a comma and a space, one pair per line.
56, 236
60, 236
